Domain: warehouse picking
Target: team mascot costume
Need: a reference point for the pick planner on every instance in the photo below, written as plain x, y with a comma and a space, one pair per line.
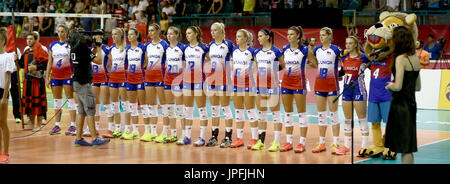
379, 37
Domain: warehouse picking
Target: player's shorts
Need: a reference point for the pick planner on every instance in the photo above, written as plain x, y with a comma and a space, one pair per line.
175, 88
192, 86
357, 95
135, 87
242, 90
326, 94
117, 85
58, 82
267, 91
99, 84
377, 111
154, 84
286, 91
217, 88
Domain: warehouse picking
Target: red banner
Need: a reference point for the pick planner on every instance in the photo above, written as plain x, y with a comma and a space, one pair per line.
10, 46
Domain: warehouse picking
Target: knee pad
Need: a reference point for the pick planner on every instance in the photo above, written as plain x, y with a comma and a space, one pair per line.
153, 111
189, 113
180, 109
334, 118
252, 115
58, 103
203, 114
133, 109
323, 118
276, 116
348, 126
116, 107
97, 109
145, 111
215, 111
171, 111
125, 106
227, 112
262, 116
71, 104
239, 115
289, 119
109, 110
364, 126
165, 110
302, 120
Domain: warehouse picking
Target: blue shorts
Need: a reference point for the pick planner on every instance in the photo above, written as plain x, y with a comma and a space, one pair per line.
216, 88
99, 84
135, 87
267, 91
377, 111
176, 88
192, 86
326, 94
154, 84
359, 94
286, 91
117, 85
241, 90
57, 82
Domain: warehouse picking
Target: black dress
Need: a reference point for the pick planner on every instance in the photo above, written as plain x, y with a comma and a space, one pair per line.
401, 126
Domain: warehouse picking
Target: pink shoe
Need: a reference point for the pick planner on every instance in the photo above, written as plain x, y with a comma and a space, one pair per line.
4, 159
342, 151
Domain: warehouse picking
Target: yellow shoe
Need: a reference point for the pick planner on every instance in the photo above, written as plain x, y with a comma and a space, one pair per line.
126, 135
170, 139
258, 146
147, 137
135, 135
274, 147
160, 138
334, 148
116, 134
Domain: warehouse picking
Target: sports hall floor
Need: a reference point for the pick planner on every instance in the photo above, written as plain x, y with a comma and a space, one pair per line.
41, 148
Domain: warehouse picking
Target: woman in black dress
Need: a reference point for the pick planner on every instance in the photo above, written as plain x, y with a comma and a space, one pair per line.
401, 126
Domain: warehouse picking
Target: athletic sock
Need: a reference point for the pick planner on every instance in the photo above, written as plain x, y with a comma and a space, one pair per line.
277, 136
153, 129
336, 140
202, 131
322, 140
364, 141
303, 140
289, 138
165, 129
147, 128
255, 133
347, 141
188, 131
240, 133
111, 126
135, 128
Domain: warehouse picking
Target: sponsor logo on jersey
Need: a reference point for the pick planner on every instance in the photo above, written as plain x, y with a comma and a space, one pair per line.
328, 52
296, 53
292, 62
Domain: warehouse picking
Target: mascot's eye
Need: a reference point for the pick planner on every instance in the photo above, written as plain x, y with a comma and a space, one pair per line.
393, 25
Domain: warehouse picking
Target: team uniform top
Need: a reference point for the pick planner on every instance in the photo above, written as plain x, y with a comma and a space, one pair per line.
327, 59
380, 75
7, 64
220, 62
352, 67
295, 60
267, 67
156, 60
99, 71
136, 58
195, 57
119, 64
61, 67
242, 65
174, 64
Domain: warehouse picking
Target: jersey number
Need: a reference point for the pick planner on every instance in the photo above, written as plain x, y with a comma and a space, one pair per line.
59, 64
323, 73
289, 72
213, 66
151, 64
191, 65
262, 72
375, 73
95, 69
115, 67
347, 78
237, 73
173, 69
132, 68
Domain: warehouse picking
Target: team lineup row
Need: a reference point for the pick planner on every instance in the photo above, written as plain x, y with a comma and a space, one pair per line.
174, 75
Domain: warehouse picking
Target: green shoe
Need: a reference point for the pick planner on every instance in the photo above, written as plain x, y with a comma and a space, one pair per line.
146, 137
130, 136
170, 139
135, 135
274, 147
125, 135
258, 146
116, 134
180, 141
160, 138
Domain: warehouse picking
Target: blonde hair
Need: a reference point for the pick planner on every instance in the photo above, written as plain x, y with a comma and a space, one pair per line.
122, 42
248, 35
177, 31
356, 40
4, 35
221, 27
328, 30
66, 29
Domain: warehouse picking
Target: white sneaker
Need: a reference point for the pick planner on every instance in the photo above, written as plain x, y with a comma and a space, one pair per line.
200, 142
44, 122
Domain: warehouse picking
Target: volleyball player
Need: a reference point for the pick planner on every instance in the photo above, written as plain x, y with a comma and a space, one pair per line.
154, 86
100, 86
218, 69
242, 68
60, 73
293, 87
135, 81
268, 90
117, 82
173, 82
327, 87
354, 63
193, 79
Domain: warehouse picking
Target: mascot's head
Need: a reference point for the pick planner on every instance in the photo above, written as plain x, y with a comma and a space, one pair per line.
380, 34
